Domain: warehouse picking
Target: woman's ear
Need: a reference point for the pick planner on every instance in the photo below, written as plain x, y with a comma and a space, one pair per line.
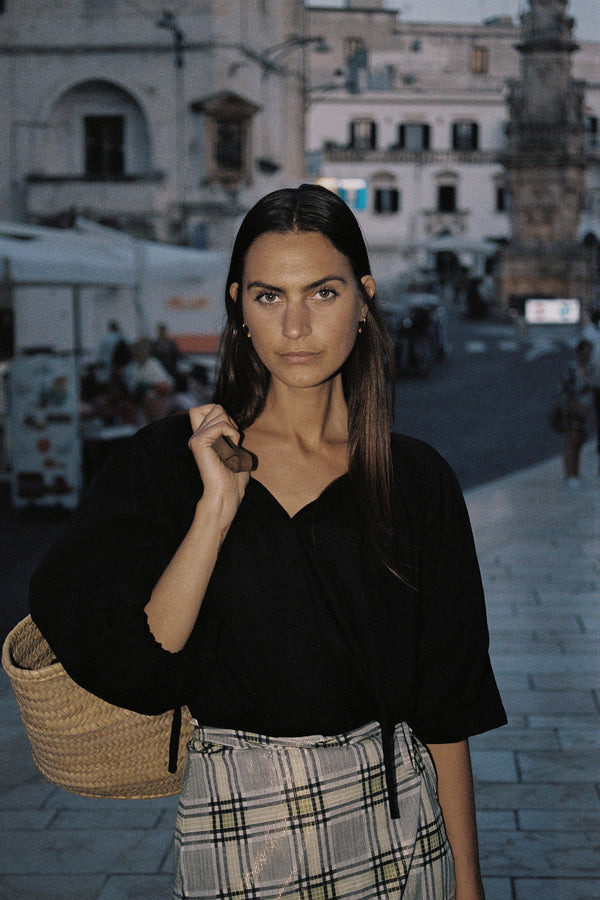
233, 291
369, 287
368, 283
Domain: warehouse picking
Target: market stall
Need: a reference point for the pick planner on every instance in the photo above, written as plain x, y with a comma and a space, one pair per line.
63, 286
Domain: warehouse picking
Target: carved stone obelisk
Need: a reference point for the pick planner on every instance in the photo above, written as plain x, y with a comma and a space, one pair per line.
545, 165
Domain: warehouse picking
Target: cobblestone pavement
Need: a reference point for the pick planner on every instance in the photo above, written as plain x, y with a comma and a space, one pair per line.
537, 779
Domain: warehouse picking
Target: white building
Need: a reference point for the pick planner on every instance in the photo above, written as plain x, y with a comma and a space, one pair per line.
164, 124
408, 122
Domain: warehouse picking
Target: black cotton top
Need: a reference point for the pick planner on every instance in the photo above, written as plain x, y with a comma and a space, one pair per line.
301, 630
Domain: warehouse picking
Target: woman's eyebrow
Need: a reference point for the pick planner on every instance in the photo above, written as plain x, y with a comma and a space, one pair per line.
263, 285
315, 284
309, 287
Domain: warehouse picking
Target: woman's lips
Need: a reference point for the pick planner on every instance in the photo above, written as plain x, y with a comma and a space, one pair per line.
297, 357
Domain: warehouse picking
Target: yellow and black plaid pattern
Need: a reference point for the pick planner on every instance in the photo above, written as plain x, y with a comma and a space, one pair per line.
308, 818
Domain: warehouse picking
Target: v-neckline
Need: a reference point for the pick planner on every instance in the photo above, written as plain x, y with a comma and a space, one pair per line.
292, 516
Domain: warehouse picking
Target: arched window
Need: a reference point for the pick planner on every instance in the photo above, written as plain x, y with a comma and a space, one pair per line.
447, 193
104, 146
96, 129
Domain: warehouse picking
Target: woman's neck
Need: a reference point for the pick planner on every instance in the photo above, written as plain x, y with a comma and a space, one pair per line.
310, 415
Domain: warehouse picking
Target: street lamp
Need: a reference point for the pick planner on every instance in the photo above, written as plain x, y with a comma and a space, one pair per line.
321, 46
169, 21
269, 59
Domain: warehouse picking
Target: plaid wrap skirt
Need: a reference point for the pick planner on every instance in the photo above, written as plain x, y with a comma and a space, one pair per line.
309, 818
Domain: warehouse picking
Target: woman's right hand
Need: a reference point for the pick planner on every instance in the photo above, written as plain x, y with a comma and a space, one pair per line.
221, 485
178, 595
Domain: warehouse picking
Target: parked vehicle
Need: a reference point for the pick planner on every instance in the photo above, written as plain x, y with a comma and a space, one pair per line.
417, 325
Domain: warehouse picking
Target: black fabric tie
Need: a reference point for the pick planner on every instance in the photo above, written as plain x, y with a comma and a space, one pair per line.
387, 739
174, 741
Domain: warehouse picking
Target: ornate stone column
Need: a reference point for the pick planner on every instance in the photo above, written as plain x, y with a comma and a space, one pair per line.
545, 165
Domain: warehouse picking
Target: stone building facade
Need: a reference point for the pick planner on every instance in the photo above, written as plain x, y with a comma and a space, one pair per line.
166, 123
411, 123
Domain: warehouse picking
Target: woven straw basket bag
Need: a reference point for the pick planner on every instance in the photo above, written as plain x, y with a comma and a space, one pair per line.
79, 741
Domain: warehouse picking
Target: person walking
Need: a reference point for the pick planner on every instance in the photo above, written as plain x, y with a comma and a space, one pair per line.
591, 332
319, 609
576, 393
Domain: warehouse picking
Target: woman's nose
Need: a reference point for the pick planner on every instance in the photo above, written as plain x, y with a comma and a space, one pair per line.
296, 321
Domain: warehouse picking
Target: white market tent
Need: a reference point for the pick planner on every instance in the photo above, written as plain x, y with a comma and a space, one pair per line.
57, 256
65, 284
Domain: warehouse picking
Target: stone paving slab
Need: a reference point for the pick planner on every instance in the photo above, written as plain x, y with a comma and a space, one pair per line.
52, 887
570, 820
550, 796
565, 889
91, 850
545, 854
543, 662
128, 887
547, 702
509, 737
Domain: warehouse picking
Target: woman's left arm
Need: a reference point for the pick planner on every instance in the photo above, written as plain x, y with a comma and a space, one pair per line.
457, 800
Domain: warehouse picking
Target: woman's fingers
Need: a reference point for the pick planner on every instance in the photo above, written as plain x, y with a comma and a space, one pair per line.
208, 414
213, 428
210, 422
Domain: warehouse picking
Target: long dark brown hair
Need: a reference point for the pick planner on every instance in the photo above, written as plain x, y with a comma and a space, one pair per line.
243, 380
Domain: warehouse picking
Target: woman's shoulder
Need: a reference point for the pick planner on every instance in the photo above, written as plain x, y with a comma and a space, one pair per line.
416, 455
422, 477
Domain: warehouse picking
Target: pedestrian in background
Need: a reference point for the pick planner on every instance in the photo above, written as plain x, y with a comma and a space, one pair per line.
106, 348
591, 332
323, 618
165, 349
148, 382
576, 394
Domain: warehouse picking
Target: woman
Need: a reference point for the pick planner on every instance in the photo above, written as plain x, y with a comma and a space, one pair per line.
322, 617
577, 398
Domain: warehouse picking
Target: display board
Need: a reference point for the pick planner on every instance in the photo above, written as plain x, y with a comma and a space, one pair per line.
45, 445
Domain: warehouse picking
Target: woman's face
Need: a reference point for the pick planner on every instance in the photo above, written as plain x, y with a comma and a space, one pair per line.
301, 304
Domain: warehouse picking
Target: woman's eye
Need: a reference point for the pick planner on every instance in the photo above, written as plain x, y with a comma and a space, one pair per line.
267, 297
326, 294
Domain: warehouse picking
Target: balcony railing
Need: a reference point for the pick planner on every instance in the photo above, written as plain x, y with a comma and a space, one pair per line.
422, 157
438, 222
127, 195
